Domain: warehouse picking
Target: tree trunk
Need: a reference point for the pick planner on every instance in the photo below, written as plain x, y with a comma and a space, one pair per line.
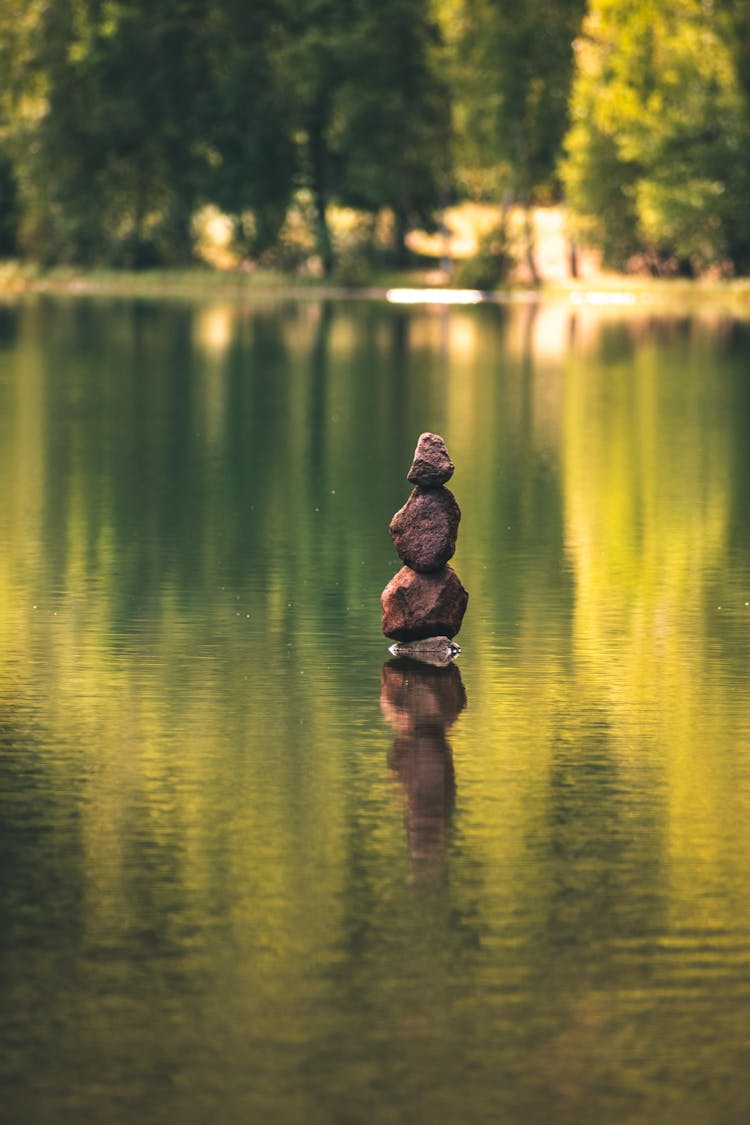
400, 230
178, 229
319, 169
528, 227
523, 197
573, 259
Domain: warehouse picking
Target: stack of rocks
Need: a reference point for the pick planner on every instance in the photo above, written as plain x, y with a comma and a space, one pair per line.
425, 598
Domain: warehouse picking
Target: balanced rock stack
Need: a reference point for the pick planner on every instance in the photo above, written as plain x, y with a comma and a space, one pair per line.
425, 598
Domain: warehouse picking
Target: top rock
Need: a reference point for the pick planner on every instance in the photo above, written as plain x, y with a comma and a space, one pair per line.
431, 466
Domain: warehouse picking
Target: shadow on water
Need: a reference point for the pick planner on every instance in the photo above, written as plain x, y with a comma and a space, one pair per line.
421, 702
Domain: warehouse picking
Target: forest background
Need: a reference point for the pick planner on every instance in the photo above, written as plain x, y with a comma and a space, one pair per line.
315, 136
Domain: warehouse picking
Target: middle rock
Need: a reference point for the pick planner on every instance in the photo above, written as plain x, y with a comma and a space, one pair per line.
424, 531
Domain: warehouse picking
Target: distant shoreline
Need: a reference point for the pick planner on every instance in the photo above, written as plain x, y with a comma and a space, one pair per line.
203, 283
464, 227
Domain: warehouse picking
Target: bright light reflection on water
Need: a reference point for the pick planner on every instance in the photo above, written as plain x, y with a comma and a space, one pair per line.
253, 867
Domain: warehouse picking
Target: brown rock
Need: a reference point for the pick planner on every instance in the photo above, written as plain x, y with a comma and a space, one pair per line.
424, 530
431, 466
423, 605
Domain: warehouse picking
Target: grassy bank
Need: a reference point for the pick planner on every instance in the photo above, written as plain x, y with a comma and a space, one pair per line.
198, 281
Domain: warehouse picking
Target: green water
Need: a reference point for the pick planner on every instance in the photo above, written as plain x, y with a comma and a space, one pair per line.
251, 871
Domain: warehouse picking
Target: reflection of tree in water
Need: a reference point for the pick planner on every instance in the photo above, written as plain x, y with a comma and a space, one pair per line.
421, 702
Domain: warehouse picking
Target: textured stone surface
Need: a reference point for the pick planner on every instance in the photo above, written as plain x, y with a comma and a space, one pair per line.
419, 605
424, 531
431, 466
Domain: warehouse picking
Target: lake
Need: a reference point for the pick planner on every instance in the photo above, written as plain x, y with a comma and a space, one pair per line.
254, 870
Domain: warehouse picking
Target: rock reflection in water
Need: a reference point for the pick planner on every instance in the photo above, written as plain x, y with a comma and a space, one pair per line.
421, 702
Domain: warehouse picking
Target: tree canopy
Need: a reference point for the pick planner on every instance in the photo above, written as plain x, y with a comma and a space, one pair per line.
657, 154
120, 119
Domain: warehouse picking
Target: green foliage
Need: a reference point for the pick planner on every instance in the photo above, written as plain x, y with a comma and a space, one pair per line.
103, 133
120, 119
371, 110
250, 147
657, 151
512, 67
395, 128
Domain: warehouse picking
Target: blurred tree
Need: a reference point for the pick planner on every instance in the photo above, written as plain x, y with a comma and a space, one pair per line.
511, 73
369, 109
9, 201
395, 125
8, 208
107, 107
657, 150
252, 155
312, 63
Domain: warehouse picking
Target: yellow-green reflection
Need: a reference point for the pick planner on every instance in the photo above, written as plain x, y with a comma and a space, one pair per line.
206, 863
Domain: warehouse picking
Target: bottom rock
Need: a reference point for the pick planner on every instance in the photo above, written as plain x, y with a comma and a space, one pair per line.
423, 605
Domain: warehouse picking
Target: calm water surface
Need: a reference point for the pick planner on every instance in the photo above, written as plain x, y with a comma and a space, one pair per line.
253, 871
